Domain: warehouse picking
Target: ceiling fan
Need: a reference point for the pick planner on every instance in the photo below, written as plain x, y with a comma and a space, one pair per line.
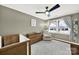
47, 12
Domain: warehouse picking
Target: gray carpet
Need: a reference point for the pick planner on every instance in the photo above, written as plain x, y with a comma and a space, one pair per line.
50, 48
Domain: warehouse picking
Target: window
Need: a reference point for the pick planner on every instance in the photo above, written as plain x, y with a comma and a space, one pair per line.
58, 26
62, 26
53, 26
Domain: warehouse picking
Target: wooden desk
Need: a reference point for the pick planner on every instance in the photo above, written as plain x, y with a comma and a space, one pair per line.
13, 46
35, 37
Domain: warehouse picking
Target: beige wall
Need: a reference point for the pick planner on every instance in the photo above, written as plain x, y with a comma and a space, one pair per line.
13, 22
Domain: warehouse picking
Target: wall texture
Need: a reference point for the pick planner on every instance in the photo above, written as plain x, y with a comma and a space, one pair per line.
15, 22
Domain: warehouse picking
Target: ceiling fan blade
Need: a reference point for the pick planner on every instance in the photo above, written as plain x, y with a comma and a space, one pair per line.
55, 7
39, 12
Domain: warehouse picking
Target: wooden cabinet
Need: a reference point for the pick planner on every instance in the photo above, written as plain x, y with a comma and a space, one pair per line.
74, 49
35, 37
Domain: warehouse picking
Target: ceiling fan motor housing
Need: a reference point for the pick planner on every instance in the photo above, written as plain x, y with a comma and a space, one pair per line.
46, 7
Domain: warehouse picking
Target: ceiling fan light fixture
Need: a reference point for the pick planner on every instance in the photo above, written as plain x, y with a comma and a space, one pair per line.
47, 12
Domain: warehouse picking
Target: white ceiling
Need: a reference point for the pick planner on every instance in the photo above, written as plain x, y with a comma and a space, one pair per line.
30, 9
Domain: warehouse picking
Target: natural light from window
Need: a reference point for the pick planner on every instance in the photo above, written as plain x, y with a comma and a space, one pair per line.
59, 26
